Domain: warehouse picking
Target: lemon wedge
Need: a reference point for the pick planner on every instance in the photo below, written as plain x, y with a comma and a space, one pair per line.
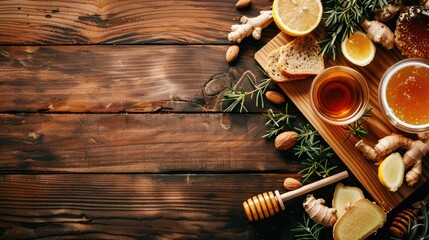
297, 17
358, 49
391, 172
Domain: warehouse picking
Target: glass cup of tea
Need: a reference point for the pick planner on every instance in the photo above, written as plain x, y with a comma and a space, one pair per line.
403, 95
339, 95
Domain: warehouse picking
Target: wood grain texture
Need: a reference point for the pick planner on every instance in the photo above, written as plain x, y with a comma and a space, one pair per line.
87, 149
144, 143
120, 21
172, 78
119, 206
377, 125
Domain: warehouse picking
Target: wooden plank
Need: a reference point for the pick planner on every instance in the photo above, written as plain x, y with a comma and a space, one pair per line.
174, 78
121, 206
120, 22
377, 125
149, 143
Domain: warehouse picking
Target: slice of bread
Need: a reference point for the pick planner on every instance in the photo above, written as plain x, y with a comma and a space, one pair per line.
301, 57
272, 68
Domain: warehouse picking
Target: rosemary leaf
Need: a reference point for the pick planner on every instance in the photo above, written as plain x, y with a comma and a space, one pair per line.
235, 98
272, 132
316, 155
307, 133
356, 128
277, 121
307, 147
306, 231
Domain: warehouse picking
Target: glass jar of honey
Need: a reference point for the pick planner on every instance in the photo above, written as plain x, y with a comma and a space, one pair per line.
403, 95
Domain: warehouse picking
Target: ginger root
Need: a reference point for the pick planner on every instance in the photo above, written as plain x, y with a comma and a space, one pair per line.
360, 221
379, 33
388, 12
250, 26
318, 212
345, 197
416, 150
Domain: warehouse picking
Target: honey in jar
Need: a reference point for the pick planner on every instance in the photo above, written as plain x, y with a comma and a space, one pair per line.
404, 95
407, 94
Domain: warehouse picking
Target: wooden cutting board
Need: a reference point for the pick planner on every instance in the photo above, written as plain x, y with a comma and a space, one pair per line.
377, 125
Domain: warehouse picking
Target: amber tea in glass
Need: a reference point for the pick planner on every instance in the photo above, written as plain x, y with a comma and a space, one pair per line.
339, 95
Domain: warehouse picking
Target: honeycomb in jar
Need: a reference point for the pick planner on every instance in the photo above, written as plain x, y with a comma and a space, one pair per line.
412, 32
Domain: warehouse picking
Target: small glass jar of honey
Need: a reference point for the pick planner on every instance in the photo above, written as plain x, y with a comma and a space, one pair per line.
339, 95
403, 95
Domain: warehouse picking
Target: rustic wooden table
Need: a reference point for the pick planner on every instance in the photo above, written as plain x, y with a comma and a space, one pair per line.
111, 126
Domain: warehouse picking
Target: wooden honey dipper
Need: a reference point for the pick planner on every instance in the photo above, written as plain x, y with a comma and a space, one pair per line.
268, 204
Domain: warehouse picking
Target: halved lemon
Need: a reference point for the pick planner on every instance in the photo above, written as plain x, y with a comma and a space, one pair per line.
391, 172
358, 49
297, 17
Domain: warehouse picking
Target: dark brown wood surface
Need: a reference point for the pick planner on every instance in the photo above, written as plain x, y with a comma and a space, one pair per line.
146, 78
142, 143
119, 22
111, 125
138, 206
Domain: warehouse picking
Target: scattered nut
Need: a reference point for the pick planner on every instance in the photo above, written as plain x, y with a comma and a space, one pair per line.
292, 184
275, 97
242, 3
232, 53
286, 140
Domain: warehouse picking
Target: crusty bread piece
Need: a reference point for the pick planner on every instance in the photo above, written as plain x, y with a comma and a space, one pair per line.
272, 68
301, 57
360, 221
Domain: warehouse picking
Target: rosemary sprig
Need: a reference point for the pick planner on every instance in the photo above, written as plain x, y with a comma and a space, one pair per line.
317, 156
236, 98
305, 231
310, 148
318, 165
307, 133
356, 128
344, 17
277, 122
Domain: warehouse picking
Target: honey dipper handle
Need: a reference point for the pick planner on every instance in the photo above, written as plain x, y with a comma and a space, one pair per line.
313, 186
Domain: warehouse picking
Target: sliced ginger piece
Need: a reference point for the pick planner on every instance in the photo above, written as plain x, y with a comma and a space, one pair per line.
360, 221
345, 197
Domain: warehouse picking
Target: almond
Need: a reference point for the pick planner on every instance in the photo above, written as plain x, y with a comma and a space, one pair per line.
275, 97
232, 53
286, 140
292, 184
242, 3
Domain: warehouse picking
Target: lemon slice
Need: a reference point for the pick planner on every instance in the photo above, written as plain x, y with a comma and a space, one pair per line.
391, 172
297, 17
358, 49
